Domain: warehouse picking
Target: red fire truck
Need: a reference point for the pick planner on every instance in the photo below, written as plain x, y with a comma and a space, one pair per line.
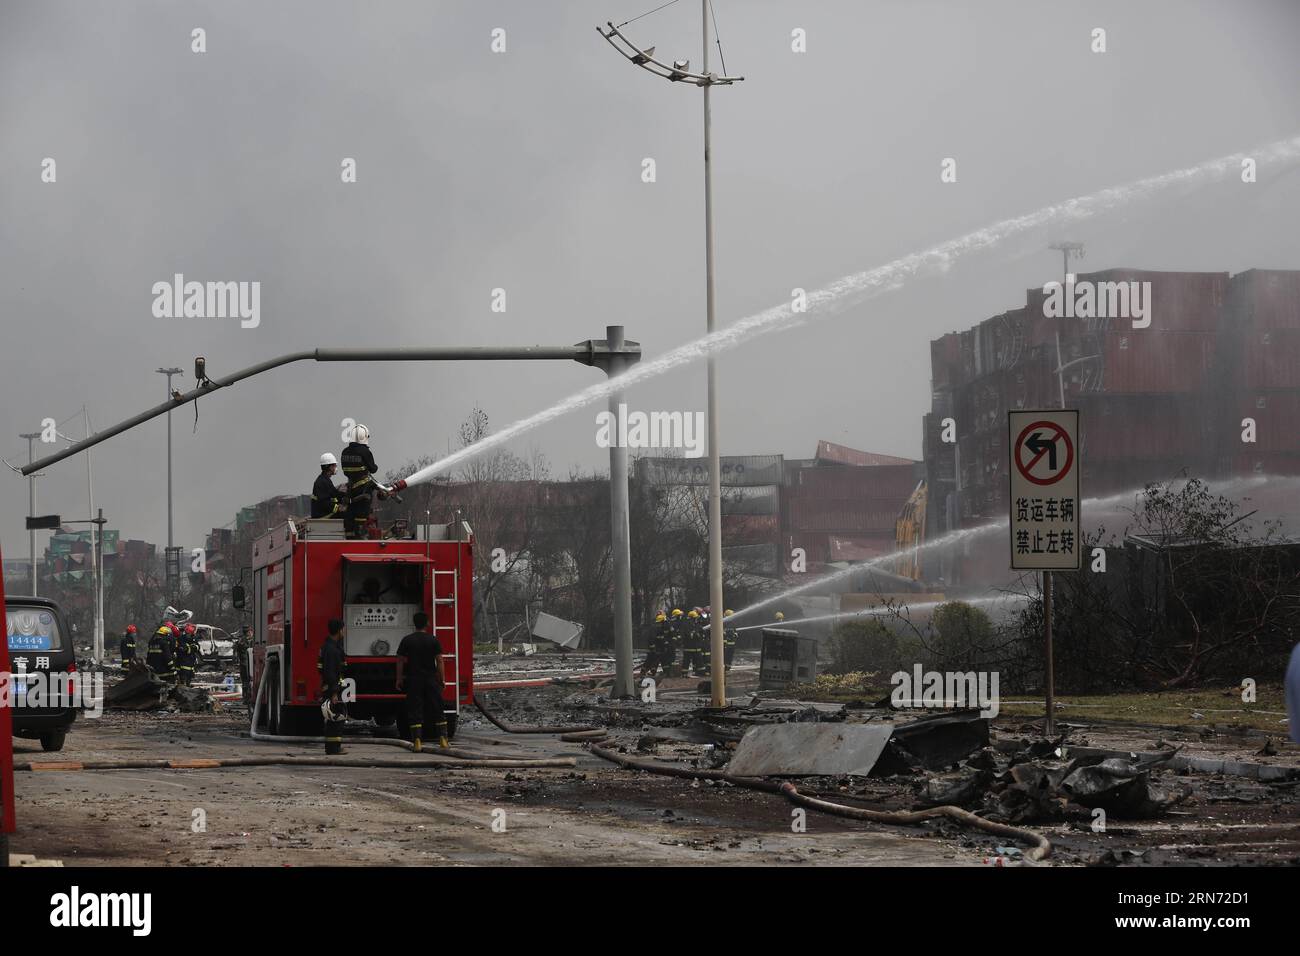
306, 572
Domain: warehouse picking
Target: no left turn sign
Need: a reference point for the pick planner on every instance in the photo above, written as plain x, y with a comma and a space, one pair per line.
1045, 503
1044, 452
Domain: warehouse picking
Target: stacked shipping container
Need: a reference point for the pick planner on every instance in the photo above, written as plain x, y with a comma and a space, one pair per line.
844, 506
1154, 401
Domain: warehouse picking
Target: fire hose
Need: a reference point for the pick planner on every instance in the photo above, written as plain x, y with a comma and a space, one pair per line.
436, 758
516, 729
1041, 846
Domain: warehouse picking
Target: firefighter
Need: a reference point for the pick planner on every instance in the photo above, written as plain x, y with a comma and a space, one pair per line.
655, 654
728, 639
665, 634
704, 660
332, 665
419, 665
691, 643
358, 468
127, 647
187, 655
678, 624
161, 656
779, 617
327, 501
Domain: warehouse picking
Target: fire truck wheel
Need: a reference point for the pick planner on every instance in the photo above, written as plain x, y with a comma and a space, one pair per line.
53, 740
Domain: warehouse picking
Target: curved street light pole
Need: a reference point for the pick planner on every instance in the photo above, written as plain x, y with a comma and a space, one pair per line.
679, 72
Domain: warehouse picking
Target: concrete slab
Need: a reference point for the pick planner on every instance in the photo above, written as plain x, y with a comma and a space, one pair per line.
802, 750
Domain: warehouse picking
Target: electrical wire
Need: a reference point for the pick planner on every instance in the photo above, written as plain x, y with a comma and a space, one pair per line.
717, 37
648, 12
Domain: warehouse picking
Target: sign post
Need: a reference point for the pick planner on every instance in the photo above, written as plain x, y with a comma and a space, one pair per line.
1045, 508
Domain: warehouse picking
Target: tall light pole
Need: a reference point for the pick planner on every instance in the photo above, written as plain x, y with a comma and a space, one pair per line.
169, 553
96, 542
31, 503
1066, 249
679, 72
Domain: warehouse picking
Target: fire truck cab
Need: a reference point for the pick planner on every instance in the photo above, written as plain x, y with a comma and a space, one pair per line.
305, 572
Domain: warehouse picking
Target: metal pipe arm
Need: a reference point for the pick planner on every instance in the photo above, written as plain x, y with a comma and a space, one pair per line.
585, 353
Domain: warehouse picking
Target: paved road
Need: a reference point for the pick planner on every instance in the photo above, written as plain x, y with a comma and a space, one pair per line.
593, 813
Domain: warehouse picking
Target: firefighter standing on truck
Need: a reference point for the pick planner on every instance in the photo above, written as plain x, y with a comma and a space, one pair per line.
358, 468
419, 666
127, 646
327, 501
332, 664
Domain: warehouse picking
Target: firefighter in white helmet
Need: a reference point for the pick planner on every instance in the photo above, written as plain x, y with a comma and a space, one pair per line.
358, 468
327, 501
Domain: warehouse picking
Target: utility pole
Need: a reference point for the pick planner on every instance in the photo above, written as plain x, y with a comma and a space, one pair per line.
679, 72
169, 554
31, 503
1067, 249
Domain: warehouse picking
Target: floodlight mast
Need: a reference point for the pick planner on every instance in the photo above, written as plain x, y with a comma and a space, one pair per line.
679, 72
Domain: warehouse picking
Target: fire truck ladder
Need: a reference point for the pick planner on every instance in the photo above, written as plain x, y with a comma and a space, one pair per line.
454, 626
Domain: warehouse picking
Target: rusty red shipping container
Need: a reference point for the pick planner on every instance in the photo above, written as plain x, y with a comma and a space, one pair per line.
815, 546
1266, 463
843, 514
878, 481
1146, 427
945, 361
1265, 299
830, 452
750, 529
1179, 302
1272, 358
1277, 420
1144, 362
861, 547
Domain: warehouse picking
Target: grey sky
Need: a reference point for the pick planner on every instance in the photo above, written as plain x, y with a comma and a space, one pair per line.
522, 170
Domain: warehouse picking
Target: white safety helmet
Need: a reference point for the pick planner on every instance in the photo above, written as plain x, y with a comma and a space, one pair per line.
328, 459
361, 435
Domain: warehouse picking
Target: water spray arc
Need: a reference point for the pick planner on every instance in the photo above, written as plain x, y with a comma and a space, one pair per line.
861, 286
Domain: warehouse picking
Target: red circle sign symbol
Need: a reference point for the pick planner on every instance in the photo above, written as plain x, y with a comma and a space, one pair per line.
1027, 459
